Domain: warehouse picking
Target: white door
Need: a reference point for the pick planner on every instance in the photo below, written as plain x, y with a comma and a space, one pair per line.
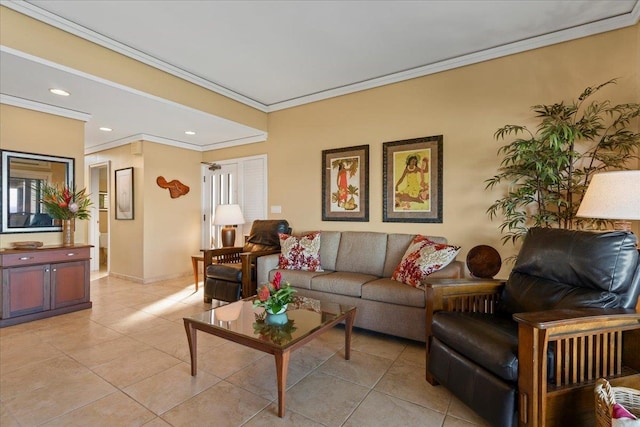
220, 187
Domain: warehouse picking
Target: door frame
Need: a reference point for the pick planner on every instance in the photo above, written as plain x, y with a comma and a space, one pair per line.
94, 226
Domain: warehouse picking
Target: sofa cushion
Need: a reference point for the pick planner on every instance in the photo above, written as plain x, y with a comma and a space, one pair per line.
421, 258
341, 283
581, 269
397, 245
490, 341
362, 252
393, 292
300, 252
329, 245
297, 278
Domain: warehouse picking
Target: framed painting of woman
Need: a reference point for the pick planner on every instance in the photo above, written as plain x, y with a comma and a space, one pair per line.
412, 180
345, 184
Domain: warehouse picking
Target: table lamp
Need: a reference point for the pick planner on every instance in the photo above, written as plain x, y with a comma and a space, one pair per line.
227, 216
614, 196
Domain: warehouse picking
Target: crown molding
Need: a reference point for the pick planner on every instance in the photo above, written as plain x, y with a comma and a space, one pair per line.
569, 34
49, 18
43, 108
577, 32
174, 143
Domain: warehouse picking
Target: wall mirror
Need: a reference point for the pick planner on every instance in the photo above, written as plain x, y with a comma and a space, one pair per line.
22, 176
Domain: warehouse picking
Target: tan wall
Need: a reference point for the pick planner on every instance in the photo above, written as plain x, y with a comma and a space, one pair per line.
466, 105
40, 133
34, 37
158, 243
171, 226
126, 236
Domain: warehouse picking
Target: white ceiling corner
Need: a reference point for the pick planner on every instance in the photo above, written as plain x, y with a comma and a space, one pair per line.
273, 55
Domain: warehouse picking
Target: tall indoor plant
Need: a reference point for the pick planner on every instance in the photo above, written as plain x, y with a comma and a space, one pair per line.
548, 171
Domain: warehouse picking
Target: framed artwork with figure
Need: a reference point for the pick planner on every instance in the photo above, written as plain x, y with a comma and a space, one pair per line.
345, 184
124, 193
412, 180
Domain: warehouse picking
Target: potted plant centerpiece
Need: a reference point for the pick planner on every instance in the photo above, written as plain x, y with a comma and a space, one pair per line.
548, 171
275, 296
65, 204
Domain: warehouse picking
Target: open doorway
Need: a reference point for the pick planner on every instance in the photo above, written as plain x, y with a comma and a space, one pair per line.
99, 223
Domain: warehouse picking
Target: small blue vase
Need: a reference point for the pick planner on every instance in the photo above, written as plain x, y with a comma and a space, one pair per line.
276, 319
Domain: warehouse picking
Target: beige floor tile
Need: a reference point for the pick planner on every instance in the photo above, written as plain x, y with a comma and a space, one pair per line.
451, 421
157, 422
229, 358
268, 417
138, 322
378, 345
325, 398
414, 353
379, 409
223, 405
6, 418
116, 409
407, 382
13, 357
363, 368
129, 369
169, 388
58, 398
107, 351
38, 375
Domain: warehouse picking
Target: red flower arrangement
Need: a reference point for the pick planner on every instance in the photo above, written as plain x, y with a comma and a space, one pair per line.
274, 296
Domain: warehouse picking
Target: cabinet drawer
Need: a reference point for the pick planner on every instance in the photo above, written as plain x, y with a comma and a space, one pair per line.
44, 256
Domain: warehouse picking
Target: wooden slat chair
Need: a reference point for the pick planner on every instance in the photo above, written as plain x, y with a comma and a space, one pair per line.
230, 272
528, 351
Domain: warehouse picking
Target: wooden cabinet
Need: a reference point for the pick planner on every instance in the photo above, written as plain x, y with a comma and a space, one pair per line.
43, 282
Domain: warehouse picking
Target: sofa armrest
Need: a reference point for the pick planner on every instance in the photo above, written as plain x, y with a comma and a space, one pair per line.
586, 344
265, 265
249, 260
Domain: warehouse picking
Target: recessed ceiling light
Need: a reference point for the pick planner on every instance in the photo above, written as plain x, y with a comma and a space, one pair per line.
189, 132
105, 129
59, 92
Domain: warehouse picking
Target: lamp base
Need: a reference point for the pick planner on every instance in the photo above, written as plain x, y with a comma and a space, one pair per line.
228, 237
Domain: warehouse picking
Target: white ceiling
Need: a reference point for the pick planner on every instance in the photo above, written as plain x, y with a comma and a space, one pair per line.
277, 54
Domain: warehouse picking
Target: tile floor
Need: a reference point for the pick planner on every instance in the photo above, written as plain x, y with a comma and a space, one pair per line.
125, 362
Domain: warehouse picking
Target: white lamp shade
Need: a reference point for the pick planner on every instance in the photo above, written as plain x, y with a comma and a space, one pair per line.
612, 195
228, 215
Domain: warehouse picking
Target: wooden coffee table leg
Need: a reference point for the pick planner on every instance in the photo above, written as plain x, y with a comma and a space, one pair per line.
348, 328
193, 344
282, 366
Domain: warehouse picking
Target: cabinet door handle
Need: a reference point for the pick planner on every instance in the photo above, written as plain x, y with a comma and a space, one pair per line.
25, 258
55, 269
71, 254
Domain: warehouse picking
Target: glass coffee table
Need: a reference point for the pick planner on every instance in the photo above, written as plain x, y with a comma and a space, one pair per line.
239, 322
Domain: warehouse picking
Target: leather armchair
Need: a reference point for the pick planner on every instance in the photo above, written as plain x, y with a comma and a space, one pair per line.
230, 273
528, 352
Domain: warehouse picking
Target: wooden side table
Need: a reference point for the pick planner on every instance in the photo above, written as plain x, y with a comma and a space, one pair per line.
194, 262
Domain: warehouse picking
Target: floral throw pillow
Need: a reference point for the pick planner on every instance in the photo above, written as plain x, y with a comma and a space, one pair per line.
300, 252
422, 258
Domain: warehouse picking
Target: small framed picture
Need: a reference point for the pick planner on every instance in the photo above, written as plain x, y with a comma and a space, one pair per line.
345, 184
412, 180
124, 193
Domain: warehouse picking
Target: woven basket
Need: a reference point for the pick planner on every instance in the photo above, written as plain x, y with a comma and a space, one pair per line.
607, 396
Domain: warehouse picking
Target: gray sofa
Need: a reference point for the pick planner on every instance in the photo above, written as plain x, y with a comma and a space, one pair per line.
357, 271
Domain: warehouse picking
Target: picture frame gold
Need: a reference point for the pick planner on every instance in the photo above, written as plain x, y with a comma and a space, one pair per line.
345, 184
412, 180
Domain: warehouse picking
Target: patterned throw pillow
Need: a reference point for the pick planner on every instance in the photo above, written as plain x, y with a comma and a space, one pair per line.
300, 253
422, 258
621, 417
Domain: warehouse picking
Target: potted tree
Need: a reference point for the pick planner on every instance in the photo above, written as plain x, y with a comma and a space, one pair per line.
548, 171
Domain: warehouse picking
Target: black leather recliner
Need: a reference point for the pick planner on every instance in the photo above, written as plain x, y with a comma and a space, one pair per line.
230, 273
548, 333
